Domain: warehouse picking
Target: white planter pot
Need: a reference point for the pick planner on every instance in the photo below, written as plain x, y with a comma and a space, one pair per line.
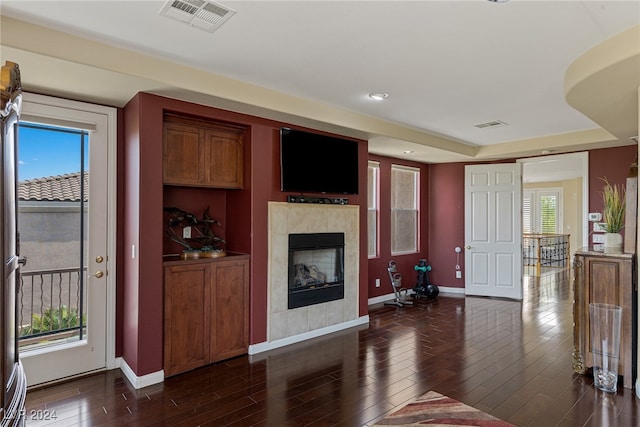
613, 242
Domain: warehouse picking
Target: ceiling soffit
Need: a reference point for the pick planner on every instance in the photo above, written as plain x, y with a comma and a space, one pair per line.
603, 84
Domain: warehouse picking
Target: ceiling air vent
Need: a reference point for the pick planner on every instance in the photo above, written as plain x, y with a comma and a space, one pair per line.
201, 14
492, 124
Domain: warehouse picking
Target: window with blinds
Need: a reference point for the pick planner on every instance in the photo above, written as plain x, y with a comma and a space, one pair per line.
373, 185
404, 209
527, 201
542, 211
549, 214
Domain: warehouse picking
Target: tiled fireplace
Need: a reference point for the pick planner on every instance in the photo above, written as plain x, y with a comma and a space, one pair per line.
327, 222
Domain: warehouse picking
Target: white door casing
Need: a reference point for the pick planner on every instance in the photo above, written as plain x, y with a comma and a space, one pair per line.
493, 230
97, 350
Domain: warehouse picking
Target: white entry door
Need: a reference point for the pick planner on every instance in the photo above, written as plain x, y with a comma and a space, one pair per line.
66, 220
493, 230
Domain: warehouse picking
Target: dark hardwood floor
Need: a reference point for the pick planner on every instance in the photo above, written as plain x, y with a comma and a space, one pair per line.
510, 359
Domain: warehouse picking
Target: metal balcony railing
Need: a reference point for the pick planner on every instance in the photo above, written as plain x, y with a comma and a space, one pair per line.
545, 250
51, 305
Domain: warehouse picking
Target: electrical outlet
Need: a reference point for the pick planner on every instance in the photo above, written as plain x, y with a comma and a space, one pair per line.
458, 274
186, 233
377, 282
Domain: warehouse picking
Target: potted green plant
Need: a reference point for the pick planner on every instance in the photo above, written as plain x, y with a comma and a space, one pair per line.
613, 200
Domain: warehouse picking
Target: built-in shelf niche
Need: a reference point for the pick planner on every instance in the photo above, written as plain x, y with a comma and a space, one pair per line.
194, 200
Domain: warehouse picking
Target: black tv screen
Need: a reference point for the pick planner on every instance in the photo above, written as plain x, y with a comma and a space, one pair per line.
313, 163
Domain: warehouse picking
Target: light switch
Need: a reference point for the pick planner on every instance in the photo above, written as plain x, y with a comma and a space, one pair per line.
598, 227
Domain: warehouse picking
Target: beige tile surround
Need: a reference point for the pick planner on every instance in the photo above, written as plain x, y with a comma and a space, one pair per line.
287, 218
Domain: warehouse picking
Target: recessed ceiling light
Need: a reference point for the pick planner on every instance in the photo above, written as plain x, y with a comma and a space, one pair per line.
408, 151
378, 96
498, 1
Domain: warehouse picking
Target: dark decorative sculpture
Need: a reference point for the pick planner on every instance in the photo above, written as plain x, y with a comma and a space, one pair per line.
202, 240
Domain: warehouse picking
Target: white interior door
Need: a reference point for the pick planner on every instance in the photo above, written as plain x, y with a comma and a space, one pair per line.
69, 328
493, 230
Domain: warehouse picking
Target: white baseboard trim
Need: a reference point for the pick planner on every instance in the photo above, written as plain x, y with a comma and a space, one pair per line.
266, 346
381, 298
449, 290
389, 297
143, 381
638, 388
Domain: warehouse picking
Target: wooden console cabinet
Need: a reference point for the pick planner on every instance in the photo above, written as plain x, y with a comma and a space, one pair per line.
604, 278
202, 154
206, 311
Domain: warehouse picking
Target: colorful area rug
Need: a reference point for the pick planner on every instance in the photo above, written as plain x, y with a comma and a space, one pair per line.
434, 409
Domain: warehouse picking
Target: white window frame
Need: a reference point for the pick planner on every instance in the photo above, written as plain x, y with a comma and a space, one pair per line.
415, 208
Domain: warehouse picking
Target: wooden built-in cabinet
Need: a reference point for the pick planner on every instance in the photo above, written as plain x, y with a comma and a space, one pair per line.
607, 278
206, 311
202, 154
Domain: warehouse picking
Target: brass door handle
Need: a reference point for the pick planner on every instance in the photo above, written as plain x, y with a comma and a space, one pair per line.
468, 247
98, 274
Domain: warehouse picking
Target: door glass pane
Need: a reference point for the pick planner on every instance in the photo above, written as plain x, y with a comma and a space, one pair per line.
52, 221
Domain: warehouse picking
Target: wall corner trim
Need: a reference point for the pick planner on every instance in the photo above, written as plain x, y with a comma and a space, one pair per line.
143, 381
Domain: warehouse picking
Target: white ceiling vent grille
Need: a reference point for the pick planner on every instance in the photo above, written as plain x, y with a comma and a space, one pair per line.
201, 14
491, 124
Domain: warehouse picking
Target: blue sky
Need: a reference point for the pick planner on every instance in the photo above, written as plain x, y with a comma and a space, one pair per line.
46, 152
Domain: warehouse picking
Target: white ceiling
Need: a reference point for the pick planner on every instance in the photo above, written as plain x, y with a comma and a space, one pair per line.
447, 65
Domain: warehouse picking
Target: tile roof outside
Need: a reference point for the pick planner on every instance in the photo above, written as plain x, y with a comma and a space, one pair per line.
63, 188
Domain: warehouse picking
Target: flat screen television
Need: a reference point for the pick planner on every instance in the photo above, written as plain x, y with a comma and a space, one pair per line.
314, 163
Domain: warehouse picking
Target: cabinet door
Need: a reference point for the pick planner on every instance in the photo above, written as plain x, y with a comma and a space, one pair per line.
230, 309
187, 317
182, 160
608, 280
223, 151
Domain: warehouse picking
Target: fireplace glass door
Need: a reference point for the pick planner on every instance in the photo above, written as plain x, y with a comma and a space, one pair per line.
316, 268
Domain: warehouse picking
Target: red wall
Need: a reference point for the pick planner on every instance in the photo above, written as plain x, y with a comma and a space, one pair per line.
142, 345
243, 214
377, 267
446, 222
612, 164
